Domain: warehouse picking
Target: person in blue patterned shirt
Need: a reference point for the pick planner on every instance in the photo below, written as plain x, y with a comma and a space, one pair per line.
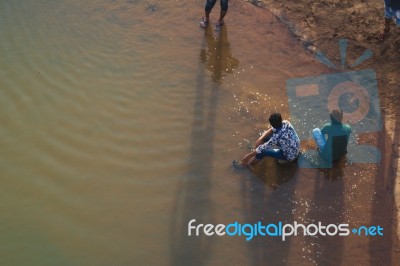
280, 142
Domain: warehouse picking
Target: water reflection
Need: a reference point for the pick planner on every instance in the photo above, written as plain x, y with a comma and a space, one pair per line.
218, 56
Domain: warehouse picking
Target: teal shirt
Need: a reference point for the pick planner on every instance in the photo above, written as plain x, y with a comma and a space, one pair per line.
338, 135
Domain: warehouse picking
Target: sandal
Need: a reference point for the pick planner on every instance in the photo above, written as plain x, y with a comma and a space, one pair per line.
203, 22
383, 35
219, 25
238, 165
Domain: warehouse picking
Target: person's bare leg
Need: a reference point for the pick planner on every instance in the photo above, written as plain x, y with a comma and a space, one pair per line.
249, 160
224, 10
386, 30
205, 19
207, 15
207, 10
252, 163
221, 18
243, 165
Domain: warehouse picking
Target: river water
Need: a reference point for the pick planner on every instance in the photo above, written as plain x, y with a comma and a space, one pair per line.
119, 122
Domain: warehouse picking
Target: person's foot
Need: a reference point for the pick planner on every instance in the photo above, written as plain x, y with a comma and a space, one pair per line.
238, 165
219, 25
381, 37
204, 22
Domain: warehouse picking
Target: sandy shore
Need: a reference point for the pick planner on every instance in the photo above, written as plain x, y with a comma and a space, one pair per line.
318, 25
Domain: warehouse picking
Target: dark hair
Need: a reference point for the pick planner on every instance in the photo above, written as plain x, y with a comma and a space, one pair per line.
337, 115
275, 120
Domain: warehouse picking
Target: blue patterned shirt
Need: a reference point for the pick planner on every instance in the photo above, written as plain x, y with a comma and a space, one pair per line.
286, 139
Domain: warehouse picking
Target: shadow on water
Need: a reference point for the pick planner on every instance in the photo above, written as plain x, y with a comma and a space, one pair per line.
268, 197
193, 195
328, 208
383, 200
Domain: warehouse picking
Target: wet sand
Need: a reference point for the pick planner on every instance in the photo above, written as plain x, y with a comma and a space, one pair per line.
318, 25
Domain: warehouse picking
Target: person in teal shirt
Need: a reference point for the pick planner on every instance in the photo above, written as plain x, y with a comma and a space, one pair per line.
335, 146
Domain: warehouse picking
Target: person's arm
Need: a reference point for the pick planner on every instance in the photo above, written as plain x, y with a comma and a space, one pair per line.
248, 156
260, 140
272, 141
324, 130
